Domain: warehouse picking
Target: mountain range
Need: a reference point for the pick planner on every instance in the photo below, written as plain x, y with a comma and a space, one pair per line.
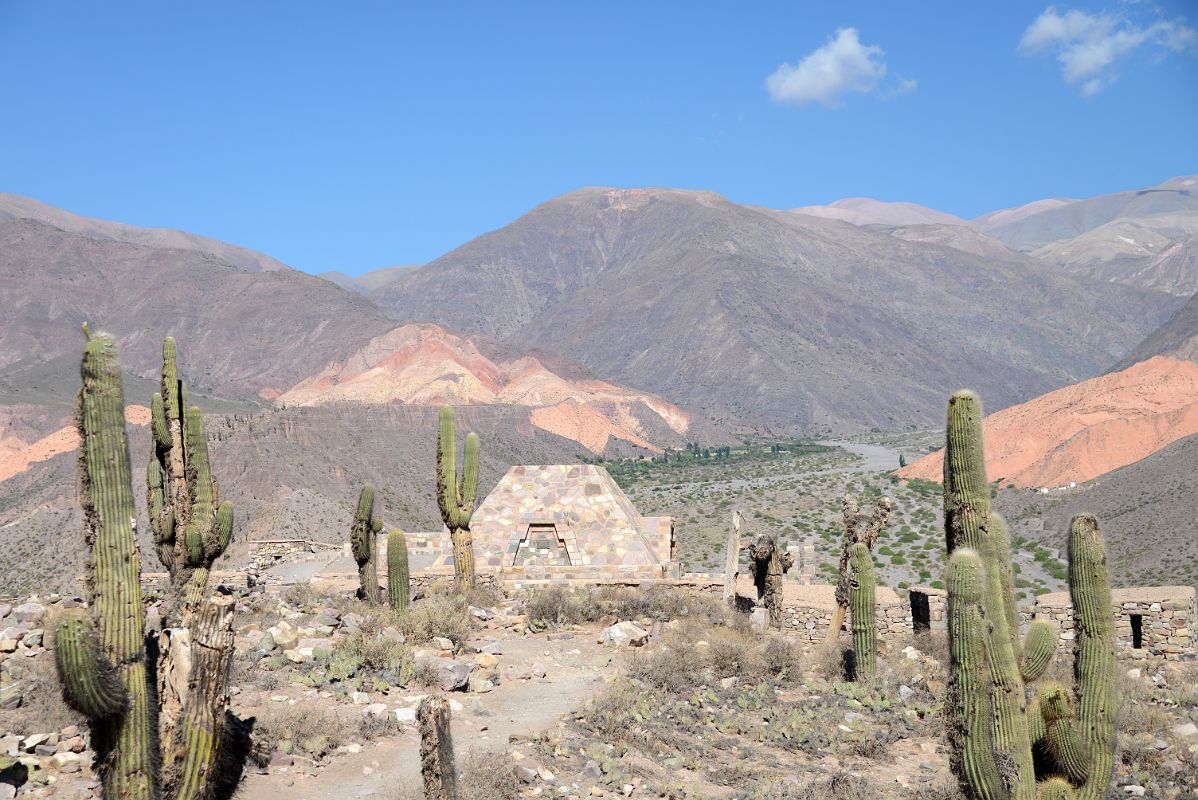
603, 322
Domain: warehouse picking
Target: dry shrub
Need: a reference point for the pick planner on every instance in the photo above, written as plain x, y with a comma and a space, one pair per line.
372, 646
481, 776
304, 597
42, 708
780, 658
827, 662
730, 653
838, 786
557, 605
303, 729
676, 668
436, 615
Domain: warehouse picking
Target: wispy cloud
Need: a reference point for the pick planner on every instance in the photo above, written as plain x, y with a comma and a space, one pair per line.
1088, 46
842, 66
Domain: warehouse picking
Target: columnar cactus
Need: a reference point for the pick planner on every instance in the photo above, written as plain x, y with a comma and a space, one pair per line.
992, 727
101, 656
399, 590
861, 600
456, 496
732, 559
190, 529
858, 527
437, 768
362, 535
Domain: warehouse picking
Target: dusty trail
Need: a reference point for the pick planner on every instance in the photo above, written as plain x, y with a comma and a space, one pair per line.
515, 708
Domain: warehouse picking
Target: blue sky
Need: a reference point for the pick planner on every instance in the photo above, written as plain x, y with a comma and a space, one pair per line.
356, 135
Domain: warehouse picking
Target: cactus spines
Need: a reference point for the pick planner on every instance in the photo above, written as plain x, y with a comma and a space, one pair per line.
436, 749
989, 704
399, 590
1038, 649
858, 527
456, 496
190, 531
1056, 788
362, 535
967, 706
1068, 751
89, 681
123, 742
1094, 651
861, 600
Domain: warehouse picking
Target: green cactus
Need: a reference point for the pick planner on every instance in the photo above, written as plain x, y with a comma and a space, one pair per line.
992, 725
456, 496
861, 601
362, 538
101, 656
190, 529
399, 590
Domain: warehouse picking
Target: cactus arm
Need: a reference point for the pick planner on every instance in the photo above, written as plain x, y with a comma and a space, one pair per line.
447, 469
89, 681
222, 530
1002, 552
124, 744
1067, 749
469, 488
967, 706
1038, 650
1055, 788
399, 590
198, 470
861, 599
162, 431
1094, 652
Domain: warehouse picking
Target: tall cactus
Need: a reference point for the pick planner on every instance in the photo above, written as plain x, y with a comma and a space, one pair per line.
362, 537
861, 600
992, 727
190, 529
858, 527
399, 589
102, 656
456, 496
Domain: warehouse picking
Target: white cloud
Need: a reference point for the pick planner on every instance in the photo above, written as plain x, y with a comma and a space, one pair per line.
841, 66
1088, 45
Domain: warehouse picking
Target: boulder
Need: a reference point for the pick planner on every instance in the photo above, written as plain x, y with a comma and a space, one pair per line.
448, 673
625, 634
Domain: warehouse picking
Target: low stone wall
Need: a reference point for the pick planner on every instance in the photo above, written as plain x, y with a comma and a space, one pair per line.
1149, 620
929, 608
265, 553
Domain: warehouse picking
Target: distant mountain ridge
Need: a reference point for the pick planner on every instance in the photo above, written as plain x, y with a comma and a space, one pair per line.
745, 313
17, 207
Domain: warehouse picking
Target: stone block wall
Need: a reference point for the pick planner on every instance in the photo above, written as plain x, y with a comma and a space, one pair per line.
1149, 620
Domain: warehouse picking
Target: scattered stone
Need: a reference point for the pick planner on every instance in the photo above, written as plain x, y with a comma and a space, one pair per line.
1187, 730
759, 620
625, 634
486, 660
360, 698
482, 613
906, 692
405, 716
1135, 790
451, 675
29, 612
558, 636
525, 774
441, 643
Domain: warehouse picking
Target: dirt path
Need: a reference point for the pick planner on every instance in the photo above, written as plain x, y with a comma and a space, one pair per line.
573, 670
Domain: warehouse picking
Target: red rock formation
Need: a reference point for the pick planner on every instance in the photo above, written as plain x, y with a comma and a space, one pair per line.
1088, 429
